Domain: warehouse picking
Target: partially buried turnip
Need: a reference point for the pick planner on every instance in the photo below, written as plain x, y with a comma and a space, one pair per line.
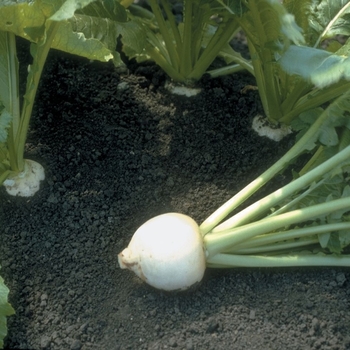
166, 252
27, 182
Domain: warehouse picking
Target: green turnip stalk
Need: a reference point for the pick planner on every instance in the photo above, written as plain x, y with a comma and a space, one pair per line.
229, 247
304, 223
46, 24
185, 50
23, 176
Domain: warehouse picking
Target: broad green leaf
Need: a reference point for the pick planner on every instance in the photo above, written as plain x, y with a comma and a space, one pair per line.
337, 241
17, 17
5, 310
326, 189
68, 9
338, 115
303, 122
334, 244
323, 239
320, 19
87, 36
318, 66
339, 111
328, 136
344, 238
110, 9
137, 36
329, 18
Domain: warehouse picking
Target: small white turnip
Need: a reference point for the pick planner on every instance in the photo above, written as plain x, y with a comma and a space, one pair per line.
166, 252
26, 183
264, 128
182, 90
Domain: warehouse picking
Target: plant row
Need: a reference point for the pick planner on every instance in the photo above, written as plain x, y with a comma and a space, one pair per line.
299, 56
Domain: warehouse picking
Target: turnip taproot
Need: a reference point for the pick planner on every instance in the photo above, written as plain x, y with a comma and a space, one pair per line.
166, 252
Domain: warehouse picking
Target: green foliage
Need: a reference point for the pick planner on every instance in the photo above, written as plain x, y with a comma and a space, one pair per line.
46, 24
280, 37
5, 310
185, 50
90, 35
325, 19
311, 212
86, 28
319, 67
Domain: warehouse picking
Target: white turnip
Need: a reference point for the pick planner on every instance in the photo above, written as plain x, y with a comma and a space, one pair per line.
26, 183
166, 252
264, 128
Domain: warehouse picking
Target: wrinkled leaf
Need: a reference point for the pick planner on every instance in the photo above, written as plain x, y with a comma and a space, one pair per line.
68, 9
320, 19
109, 9
329, 18
134, 36
95, 41
92, 37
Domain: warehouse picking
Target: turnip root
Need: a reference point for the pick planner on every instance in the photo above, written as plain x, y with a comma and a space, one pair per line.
264, 128
182, 90
166, 252
26, 183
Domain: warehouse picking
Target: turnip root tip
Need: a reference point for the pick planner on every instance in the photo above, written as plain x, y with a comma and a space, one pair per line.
166, 252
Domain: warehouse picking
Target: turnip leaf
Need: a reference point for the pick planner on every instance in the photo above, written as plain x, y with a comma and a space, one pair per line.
320, 19
317, 66
329, 18
134, 36
109, 9
68, 9
93, 37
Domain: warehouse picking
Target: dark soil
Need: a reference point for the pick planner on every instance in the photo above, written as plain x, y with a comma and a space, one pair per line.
119, 149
